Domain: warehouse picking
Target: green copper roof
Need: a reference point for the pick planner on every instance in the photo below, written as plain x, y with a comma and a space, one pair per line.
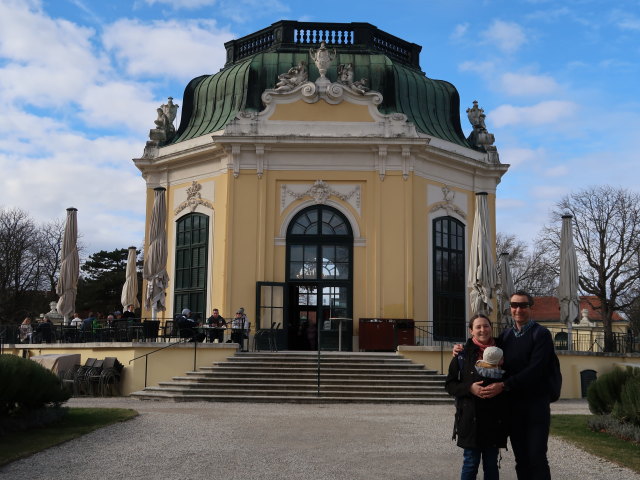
210, 102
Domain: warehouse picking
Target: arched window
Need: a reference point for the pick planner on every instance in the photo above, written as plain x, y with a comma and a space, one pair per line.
448, 278
319, 245
192, 245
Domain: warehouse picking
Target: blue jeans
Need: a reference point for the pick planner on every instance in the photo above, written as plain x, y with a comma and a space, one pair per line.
471, 463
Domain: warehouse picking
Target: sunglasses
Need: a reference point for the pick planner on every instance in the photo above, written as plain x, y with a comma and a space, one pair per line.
522, 305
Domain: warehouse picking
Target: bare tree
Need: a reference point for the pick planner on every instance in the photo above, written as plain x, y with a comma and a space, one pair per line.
50, 244
532, 271
607, 240
19, 261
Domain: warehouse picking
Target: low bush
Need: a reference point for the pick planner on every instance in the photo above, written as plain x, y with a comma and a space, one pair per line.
628, 408
603, 393
27, 386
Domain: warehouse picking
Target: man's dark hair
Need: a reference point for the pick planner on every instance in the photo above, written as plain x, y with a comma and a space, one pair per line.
522, 293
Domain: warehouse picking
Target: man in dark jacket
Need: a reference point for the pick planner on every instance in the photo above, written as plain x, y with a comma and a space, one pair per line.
528, 356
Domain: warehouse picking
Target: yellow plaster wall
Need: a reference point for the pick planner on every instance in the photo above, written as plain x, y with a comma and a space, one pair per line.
162, 366
321, 111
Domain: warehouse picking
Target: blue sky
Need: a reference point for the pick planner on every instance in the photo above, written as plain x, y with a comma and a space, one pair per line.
80, 81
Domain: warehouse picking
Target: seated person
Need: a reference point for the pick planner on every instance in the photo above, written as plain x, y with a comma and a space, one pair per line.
187, 326
240, 328
25, 331
44, 331
76, 321
216, 320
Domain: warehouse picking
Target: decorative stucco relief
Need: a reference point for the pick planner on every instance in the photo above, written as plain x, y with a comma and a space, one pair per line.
320, 192
194, 198
448, 203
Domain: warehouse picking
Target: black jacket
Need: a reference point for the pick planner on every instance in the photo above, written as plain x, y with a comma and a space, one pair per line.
479, 423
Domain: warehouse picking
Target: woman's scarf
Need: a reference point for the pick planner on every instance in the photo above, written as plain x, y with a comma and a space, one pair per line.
482, 346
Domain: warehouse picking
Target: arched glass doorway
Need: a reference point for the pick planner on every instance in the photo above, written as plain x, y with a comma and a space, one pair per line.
319, 277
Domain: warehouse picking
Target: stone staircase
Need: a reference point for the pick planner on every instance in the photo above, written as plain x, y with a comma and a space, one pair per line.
345, 377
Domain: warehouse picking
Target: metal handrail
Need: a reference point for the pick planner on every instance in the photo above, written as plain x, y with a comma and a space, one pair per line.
146, 356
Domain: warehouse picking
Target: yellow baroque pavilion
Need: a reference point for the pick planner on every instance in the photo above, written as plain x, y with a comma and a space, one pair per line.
320, 174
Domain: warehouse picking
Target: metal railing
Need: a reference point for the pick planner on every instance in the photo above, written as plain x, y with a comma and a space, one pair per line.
146, 355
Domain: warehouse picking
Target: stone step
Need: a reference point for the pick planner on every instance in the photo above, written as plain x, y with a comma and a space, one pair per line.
151, 395
334, 364
293, 380
312, 369
292, 386
301, 392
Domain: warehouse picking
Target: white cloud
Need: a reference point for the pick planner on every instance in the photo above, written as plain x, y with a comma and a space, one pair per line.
625, 20
186, 4
547, 112
47, 61
174, 49
459, 31
119, 104
519, 156
522, 84
557, 171
508, 37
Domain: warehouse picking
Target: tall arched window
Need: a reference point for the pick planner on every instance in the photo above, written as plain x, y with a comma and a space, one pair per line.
192, 245
448, 278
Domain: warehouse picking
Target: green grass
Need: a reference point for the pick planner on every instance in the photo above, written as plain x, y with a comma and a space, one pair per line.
574, 429
78, 422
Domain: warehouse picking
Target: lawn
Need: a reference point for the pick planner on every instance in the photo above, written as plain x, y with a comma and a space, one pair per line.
78, 422
573, 428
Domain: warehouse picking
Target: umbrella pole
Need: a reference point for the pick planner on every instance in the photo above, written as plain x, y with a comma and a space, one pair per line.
154, 312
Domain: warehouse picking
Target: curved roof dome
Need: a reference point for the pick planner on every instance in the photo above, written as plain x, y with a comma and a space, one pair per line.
389, 64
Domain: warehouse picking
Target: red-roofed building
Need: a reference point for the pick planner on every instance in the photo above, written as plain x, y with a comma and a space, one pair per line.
547, 310
588, 334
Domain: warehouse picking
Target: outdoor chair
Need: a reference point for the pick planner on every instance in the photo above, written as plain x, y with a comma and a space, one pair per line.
104, 381
167, 331
265, 337
79, 373
150, 330
84, 386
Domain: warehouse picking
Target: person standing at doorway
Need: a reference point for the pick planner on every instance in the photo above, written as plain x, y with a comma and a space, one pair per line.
240, 328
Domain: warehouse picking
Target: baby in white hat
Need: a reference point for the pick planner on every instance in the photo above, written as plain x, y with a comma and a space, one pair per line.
489, 366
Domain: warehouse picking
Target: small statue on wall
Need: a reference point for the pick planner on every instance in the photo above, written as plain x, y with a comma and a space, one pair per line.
345, 77
296, 76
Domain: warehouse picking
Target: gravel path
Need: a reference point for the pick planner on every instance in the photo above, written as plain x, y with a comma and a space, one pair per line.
283, 442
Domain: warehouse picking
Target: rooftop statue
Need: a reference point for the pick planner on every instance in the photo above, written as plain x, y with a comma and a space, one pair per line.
296, 76
164, 131
166, 116
345, 77
479, 137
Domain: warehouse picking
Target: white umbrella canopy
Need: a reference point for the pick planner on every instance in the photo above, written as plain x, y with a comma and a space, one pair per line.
568, 285
506, 289
130, 288
67, 287
482, 268
155, 264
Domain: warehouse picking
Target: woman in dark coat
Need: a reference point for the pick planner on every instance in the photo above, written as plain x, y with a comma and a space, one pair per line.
480, 424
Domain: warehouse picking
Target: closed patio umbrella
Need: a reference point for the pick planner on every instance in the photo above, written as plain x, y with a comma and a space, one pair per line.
568, 285
67, 287
130, 288
155, 263
482, 268
506, 289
